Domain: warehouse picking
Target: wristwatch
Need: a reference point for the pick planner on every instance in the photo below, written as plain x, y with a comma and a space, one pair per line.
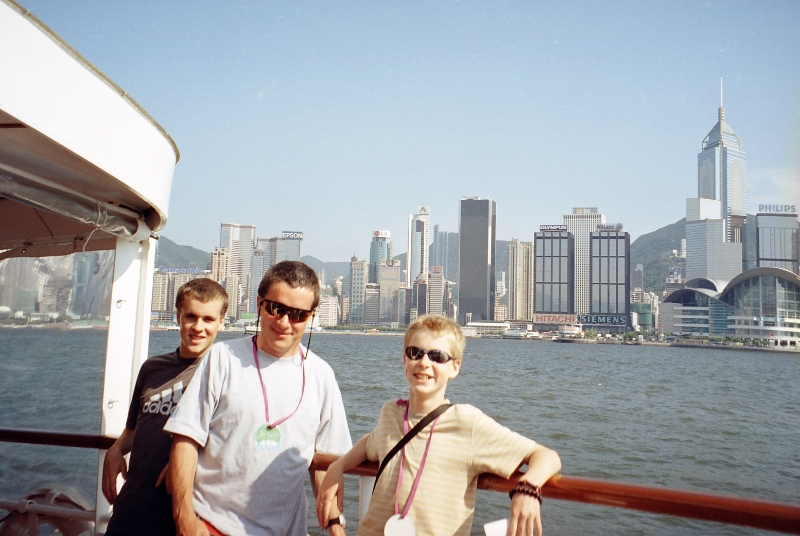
336, 521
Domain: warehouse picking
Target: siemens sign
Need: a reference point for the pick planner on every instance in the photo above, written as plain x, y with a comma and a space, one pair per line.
165, 270
614, 320
292, 235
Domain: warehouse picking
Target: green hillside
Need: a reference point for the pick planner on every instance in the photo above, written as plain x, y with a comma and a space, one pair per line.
171, 255
654, 251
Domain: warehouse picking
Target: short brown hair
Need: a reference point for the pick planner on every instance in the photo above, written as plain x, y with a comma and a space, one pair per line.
203, 290
439, 325
296, 274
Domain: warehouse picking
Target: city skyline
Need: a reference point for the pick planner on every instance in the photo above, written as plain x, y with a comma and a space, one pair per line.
540, 107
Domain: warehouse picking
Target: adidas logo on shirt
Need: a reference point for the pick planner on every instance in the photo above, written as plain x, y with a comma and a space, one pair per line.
165, 402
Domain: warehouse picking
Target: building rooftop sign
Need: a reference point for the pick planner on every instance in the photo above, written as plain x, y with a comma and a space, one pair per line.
381, 234
292, 235
552, 227
609, 227
778, 209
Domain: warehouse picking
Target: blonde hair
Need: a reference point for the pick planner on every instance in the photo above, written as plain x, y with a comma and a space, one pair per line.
439, 325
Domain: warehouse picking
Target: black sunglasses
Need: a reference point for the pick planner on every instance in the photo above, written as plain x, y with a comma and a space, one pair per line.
278, 309
415, 353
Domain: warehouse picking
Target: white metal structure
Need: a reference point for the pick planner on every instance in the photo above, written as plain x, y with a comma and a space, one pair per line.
82, 168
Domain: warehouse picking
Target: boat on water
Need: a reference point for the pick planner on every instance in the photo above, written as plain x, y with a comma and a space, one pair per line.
84, 168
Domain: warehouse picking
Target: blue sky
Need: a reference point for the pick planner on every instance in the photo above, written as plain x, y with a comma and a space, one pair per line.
340, 118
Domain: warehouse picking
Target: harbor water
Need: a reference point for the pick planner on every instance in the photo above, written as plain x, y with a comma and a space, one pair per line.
697, 419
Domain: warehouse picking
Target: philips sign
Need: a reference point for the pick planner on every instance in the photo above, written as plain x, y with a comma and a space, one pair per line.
292, 235
778, 209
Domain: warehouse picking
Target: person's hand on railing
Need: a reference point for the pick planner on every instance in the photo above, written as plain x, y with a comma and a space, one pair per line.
526, 516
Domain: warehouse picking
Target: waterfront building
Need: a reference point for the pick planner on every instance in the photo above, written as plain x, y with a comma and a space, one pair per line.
520, 280
417, 260
721, 167
582, 222
762, 303
239, 240
609, 280
358, 283
439, 249
476, 279
777, 241
554, 272
437, 288
392, 292
219, 264
637, 278
160, 292
233, 289
328, 311
372, 300
380, 251
708, 254
259, 265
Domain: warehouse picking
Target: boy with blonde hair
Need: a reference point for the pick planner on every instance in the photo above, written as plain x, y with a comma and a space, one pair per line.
429, 486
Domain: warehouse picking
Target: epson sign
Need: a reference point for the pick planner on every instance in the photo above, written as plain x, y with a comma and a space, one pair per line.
778, 209
292, 235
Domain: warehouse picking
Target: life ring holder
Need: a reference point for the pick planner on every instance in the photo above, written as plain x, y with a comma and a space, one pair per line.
22, 522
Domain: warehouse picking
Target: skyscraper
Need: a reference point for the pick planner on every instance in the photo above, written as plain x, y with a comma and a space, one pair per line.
520, 280
721, 167
554, 270
777, 241
380, 250
582, 222
708, 255
418, 244
437, 286
476, 280
358, 285
610, 274
240, 241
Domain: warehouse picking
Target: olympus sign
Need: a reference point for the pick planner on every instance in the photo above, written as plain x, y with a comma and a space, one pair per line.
292, 235
778, 209
552, 227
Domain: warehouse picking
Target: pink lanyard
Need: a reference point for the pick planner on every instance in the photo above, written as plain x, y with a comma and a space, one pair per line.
264, 389
421, 465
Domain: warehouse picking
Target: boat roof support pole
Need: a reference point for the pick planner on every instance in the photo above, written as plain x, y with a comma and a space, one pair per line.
128, 340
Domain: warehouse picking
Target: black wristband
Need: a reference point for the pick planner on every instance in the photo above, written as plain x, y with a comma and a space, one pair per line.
526, 488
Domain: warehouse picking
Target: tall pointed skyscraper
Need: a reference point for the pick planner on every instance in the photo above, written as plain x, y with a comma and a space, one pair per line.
721, 168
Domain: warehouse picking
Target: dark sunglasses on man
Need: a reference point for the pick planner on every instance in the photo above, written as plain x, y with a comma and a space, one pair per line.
415, 353
278, 310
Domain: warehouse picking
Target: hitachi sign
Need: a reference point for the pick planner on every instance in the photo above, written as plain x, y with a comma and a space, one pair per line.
778, 209
554, 319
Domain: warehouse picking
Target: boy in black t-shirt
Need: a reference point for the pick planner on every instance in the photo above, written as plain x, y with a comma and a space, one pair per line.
142, 507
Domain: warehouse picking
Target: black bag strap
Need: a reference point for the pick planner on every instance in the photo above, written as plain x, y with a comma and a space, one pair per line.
425, 421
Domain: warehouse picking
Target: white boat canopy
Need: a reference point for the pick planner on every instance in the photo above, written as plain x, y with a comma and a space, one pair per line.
81, 163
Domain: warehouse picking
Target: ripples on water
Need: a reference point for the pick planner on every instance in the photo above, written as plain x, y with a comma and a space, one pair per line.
708, 420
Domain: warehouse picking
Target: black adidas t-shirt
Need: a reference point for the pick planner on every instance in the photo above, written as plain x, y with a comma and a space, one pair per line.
141, 508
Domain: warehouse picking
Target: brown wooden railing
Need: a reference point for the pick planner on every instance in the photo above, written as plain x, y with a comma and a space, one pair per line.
733, 510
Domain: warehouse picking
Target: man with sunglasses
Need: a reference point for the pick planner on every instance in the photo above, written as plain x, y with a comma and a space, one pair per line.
429, 486
248, 426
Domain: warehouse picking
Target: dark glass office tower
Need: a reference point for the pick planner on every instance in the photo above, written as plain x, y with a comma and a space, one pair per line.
554, 250
476, 280
610, 272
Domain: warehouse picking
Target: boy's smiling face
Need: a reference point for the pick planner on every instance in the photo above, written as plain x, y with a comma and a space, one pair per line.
427, 380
